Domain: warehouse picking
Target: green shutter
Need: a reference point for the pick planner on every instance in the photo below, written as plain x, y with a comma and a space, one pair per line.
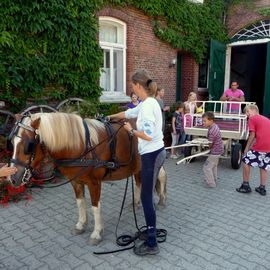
216, 70
266, 99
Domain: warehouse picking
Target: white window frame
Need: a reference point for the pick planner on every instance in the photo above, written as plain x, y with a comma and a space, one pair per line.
115, 96
197, 1
205, 89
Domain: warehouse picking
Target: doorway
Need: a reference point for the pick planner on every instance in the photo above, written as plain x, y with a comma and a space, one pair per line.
248, 66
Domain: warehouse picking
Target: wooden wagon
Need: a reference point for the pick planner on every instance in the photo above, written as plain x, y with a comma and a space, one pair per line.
233, 127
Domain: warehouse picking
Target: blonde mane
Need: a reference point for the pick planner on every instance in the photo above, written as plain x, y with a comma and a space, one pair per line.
60, 131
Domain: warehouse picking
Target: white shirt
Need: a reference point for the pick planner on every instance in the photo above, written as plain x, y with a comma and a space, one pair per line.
149, 120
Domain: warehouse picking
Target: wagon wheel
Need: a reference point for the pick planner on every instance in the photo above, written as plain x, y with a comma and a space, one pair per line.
70, 105
236, 155
36, 109
7, 120
189, 151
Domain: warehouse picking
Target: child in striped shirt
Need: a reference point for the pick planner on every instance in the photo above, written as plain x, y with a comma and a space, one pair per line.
216, 149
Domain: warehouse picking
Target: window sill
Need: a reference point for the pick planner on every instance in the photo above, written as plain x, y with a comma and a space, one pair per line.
114, 98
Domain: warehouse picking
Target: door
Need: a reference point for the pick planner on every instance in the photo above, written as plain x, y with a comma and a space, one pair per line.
216, 70
266, 99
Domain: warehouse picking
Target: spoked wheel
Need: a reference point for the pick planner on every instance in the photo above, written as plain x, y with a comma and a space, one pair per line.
37, 109
189, 151
236, 155
7, 120
70, 105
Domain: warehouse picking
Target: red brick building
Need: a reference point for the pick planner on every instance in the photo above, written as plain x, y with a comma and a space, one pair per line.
129, 43
143, 50
248, 52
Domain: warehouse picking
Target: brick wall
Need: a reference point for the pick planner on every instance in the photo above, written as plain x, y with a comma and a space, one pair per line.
190, 73
146, 51
241, 16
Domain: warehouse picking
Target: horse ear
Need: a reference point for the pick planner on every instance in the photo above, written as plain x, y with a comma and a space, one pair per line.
18, 117
35, 123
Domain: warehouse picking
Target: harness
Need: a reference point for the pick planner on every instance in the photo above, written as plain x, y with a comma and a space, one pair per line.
95, 162
81, 161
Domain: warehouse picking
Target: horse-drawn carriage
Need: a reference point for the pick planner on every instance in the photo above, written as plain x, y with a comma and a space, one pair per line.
233, 127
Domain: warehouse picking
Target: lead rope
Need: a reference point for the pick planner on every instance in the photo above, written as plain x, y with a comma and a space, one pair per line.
126, 239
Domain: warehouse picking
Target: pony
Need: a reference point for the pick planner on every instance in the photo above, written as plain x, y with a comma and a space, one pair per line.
86, 151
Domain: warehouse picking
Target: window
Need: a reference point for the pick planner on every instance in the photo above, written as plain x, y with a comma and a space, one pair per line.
203, 75
197, 1
257, 30
112, 40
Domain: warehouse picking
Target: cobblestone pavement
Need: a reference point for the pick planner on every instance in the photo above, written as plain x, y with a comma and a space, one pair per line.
207, 228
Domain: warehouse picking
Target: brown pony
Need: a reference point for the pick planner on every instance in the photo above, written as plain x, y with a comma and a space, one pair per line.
86, 151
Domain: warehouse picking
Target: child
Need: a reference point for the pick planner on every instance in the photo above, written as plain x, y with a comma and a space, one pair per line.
177, 127
216, 149
256, 154
190, 104
134, 101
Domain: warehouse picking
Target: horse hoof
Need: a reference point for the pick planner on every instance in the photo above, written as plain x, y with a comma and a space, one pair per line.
76, 231
94, 242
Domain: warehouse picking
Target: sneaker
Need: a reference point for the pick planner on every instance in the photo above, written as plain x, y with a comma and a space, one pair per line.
261, 190
244, 188
174, 157
144, 249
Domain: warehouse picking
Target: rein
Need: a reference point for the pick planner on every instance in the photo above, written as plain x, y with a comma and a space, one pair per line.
96, 163
125, 239
82, 161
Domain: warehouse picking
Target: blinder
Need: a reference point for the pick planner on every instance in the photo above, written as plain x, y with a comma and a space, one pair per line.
30, 146
9, 145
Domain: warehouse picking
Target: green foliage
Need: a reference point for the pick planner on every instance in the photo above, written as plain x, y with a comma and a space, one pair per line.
50, 42
183, 24
90, 109
50, 48
247, 3
108, 109
264, 11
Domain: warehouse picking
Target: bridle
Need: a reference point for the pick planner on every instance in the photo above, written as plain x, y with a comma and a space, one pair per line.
30, 149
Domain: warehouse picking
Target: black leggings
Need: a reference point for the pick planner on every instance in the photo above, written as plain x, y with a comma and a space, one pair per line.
151, 164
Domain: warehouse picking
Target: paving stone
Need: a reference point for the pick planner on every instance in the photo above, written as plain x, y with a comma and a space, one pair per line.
207, 228
32, 262
12, 263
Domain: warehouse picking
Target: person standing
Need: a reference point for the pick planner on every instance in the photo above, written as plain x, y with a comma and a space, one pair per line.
159, 97
151, 149
257, 150
178, 134
216, 149
134, 101
233, 94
